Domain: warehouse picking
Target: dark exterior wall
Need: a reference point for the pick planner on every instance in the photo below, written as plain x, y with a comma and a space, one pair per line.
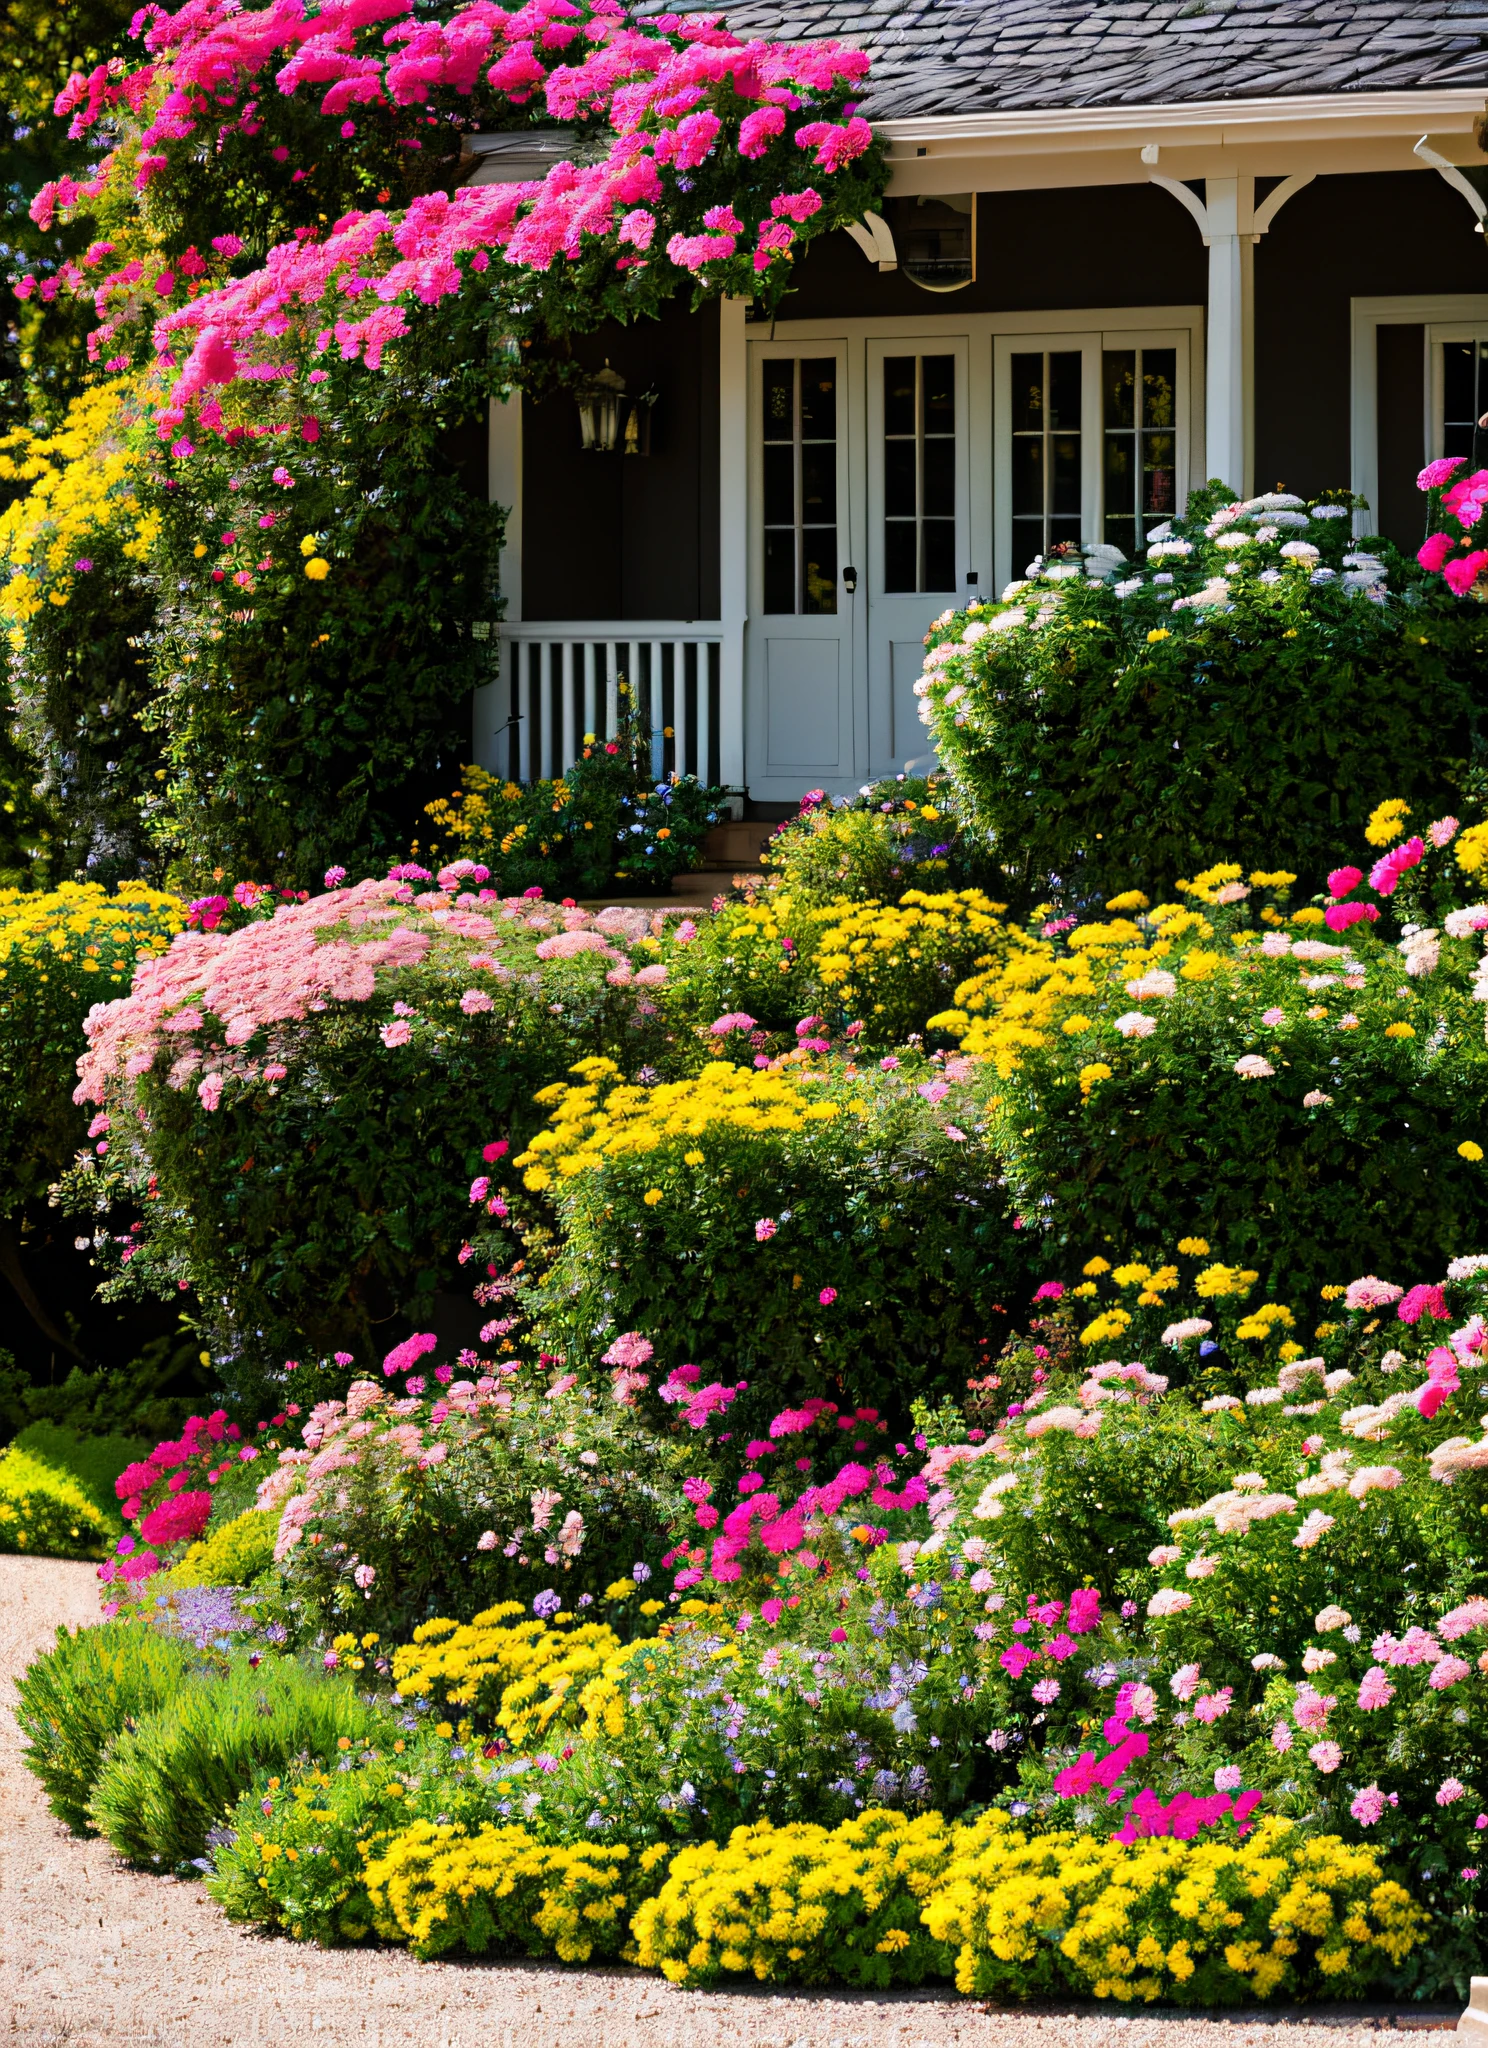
1117, 245
628, 537
1343, 238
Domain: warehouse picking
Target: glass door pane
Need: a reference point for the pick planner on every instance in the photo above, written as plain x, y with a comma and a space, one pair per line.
1464, 397
1046, 450
919, 472
1139, 465
799, 484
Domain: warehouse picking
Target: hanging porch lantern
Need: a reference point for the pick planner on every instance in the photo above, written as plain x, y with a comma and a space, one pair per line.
600, 400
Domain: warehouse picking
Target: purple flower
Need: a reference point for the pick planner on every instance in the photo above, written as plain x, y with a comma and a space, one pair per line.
546, 1604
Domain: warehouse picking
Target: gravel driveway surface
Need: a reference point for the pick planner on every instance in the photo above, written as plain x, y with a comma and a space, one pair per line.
97, 1956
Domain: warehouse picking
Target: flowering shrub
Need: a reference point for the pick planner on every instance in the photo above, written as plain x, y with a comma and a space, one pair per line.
61, 950
45, 1512
892, 965
1110, 729
606, 822
439, 1888
803, 1902
879, 1900
74, 554
806, 1227
400, 1507
74, 1699
293, 1853
1458, 518
367, 1041
1303, 1085
311, 652
905, 830
750, 963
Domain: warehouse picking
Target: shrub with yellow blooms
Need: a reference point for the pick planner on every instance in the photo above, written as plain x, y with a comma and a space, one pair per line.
62, 951
787, 1224
520, 1677
75, 601
893, 965
1297, 1081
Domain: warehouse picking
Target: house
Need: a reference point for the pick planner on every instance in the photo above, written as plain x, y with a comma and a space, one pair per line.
1128, 245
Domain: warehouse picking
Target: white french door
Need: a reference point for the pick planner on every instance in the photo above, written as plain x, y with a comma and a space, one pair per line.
918, 525
802, 714
1090, 440
897, 467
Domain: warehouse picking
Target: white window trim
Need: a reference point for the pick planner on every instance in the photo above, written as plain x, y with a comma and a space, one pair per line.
989, 540
1366, 317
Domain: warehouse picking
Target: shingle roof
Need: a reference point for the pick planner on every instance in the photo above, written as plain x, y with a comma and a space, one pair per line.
980, 56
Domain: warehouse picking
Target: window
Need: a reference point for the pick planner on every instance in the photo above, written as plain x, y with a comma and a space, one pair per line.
1464, 391
1139, 410
800, 484
935, 239
1046, 450
919, 490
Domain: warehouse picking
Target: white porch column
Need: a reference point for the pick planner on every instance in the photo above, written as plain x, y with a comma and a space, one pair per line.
1229, 362
491, 737
733, 533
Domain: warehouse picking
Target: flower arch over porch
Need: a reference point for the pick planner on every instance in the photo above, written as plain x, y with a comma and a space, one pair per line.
700, 158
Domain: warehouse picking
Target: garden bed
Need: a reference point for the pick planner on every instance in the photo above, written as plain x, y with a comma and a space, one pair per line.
97, 1954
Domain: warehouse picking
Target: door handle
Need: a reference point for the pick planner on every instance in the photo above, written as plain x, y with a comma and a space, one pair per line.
850, 581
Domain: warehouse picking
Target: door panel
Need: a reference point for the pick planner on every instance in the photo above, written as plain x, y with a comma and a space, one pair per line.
803, 705
919, 527
800, 726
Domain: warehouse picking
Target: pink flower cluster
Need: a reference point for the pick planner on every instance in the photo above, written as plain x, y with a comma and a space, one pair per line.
675, 91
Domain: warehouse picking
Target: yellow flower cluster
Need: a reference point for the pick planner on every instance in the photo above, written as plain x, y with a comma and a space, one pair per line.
1472, 849
1124, 1921
1140, 1920
798, 1902
83, 488
1217, 1282
1017, 1005
510, 1669
1387, 822
81, 925
630, 1122
438, 1887
872, 953
45, 1513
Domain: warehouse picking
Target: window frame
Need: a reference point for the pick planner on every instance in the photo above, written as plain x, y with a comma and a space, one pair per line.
1092, 342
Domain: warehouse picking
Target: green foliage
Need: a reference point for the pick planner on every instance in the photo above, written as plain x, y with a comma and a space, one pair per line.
752, 958
44, 1512
232, 1554
75, 1699
809, 1234
300, 704
181, 1770
1114, 740
92, 1462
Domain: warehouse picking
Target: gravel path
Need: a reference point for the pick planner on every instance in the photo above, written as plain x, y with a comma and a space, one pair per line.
97, 1956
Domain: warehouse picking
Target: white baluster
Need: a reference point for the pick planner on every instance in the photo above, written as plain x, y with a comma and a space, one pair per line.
589, 653
612, 693
658, 713
704, 707
545, 686
679, 704
524, 710
570, 751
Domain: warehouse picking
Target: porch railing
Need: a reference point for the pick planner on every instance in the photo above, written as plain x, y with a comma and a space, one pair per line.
556, 682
